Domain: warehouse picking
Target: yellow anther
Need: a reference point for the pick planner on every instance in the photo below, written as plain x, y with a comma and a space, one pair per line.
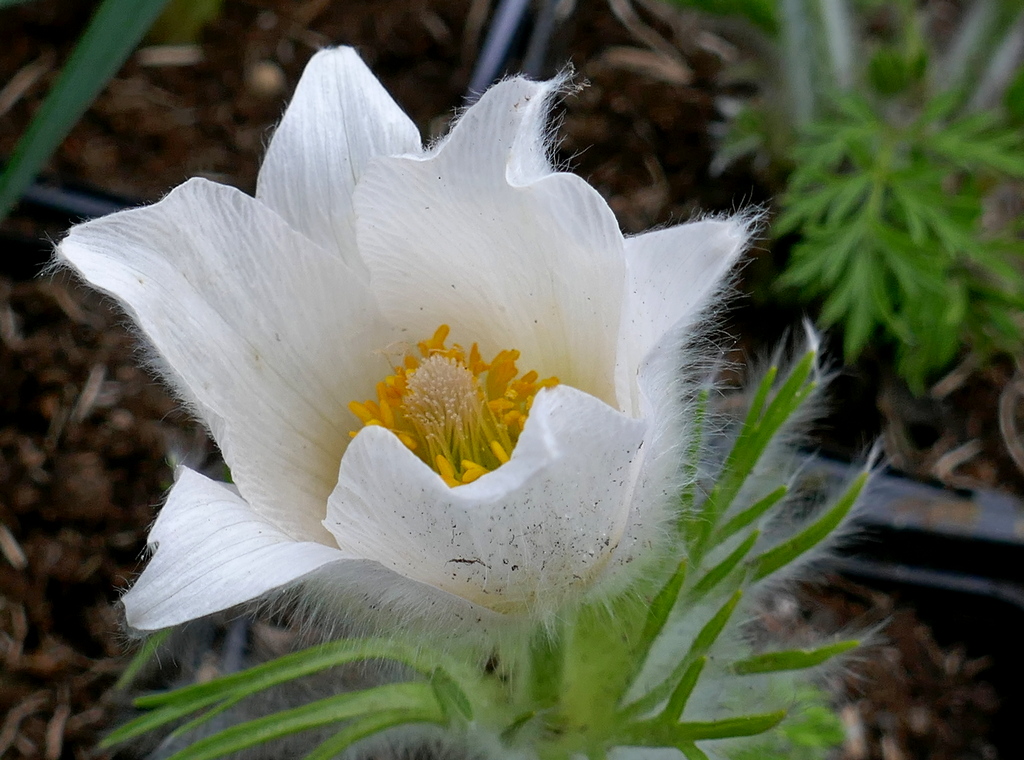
408, 440
386, 415
500, 405
360, 411
468, 476
444, 466
436, 342
445, 470
499, 452
476, 364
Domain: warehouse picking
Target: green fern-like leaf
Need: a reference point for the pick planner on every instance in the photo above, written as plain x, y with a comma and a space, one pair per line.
892, 243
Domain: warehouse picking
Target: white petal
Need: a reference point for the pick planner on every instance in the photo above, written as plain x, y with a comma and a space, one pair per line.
212, 553
526, 536
265, 333
483, 237
339, 117
672, 274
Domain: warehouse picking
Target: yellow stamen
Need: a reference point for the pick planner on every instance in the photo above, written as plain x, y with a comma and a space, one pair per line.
444, 467
499, 452
460, 414
436, 343
471, 471
386, 415
360, 411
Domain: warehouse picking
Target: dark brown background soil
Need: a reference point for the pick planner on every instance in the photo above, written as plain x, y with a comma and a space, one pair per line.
85, 436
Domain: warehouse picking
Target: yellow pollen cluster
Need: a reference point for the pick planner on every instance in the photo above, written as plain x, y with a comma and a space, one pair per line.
459, 414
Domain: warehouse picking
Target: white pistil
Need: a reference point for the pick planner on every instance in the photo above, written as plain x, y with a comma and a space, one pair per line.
444, 403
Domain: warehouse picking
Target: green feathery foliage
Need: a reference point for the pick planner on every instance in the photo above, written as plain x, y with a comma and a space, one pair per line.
890, 219
890, 147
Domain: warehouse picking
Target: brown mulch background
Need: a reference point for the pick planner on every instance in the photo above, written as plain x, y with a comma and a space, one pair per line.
85, 435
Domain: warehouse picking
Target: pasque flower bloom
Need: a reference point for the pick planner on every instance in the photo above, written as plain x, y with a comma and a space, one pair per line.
438, 376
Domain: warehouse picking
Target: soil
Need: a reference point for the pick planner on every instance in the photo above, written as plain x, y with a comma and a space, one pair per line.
86, 436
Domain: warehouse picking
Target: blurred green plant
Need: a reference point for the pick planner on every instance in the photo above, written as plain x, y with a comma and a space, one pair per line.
182, 21
893, 136
809, 733
112, 34
890, 219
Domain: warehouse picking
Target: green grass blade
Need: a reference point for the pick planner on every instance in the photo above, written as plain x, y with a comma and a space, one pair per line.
721, 571
143, 656
110, 37
781, 555
511, 731
291, 666
450, 696
661, 607
727, 728
750, 514
788, 399
174, 705
692, 752
657, 733
414, 698
757, 432
714, 627
700, 646
792, 659
363, 727
155, 719
760, 397
681, 694
691, 464
210, 714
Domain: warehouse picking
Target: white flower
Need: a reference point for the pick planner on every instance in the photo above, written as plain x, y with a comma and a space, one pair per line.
271, 315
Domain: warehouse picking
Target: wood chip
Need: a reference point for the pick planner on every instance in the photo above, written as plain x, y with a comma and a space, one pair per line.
91, 717
1008, 400
19, 631
23, 81
90, 392
169, 55
18, 713
55, 730
891, 748
855, 744
26, 746
11, 549
641, 32
10, 332
946, 465
648, 63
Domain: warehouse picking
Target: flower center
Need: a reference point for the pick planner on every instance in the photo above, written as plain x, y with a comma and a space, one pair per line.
456, 412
